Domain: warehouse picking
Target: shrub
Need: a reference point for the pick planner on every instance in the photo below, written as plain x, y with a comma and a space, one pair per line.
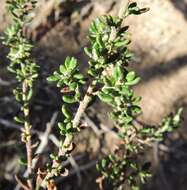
110, 80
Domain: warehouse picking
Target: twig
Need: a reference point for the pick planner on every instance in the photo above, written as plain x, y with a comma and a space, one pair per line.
44, 141
9, 124
84, 167
21, 183
98, 131
9, 143
7, 99
45, 136
124, 5
92, 125
69, 138
54, 140
107, 130
77, 169
83, 104
6, 83
70, 160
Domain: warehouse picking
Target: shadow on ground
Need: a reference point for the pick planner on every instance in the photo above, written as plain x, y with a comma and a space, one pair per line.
181, 5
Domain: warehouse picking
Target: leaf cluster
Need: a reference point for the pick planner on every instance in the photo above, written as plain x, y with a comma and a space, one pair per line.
168, 125
111, 81
21, 63
119, 171
69, 80
127, 168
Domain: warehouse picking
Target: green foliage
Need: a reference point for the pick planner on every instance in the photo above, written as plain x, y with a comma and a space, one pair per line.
134, 9
118, 170
69, 80
21, 63
110, 80
127, 168
109, 56
169, 124
24, 69
110, 53
108, 45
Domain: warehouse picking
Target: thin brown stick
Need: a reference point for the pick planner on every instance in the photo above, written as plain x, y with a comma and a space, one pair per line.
27, 134
80, 111
83, 105
124, 5
69, 138
21, 183
29, 155
9, 124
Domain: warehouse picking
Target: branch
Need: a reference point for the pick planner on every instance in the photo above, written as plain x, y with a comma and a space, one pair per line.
84, 104
124, 6
25, 187
69, 138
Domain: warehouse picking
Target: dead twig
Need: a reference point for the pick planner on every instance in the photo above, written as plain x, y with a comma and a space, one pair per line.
10, 124
91, 124
44, 137
9, 143
25, 187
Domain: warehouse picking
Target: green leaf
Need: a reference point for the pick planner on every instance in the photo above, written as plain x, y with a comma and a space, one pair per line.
60, 83
82, 81
112, 158
93, 27
88, 52
129, 55
134, 9
127, 119
105, 97
53, 157
63, 69
61, 125
77, 95
73, 63
177, 117
19, 120
104, 163
66, 112
130, 76
100, 41
134, 82
78, 76
70, 63
72, 86
34, 76
62, 128
117, 73
132, 5
125, 90
52, 78
69, 99
23, 161
29, 96
67, 60
122, 43
136, 109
